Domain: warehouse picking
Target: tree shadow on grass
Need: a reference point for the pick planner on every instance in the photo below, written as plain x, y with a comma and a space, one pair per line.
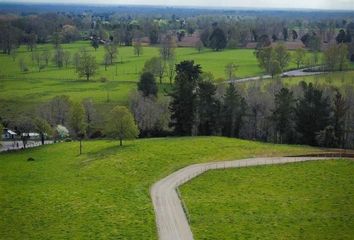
104, 153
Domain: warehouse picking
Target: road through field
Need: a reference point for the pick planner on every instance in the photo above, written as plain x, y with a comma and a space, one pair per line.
292, 73
171, 220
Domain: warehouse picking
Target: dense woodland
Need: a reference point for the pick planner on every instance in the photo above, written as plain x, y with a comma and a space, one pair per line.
194, 104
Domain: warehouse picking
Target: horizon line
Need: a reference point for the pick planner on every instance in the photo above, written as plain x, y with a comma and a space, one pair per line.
19, 2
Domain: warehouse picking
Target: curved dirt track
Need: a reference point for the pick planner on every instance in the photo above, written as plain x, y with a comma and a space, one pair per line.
171, 221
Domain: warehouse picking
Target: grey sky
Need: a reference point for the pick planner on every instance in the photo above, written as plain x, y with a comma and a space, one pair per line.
312, 4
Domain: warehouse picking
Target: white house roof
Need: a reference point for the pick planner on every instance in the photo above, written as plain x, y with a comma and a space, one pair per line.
10, 132
31, 134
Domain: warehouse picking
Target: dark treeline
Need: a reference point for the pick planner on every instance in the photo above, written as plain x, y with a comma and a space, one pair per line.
196, 106
303, 114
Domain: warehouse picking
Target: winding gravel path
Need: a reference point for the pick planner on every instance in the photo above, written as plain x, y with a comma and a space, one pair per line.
171, 221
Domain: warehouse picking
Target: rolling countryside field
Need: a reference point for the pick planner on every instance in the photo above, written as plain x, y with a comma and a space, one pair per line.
51, 81
176, 120
104, 193
20, 91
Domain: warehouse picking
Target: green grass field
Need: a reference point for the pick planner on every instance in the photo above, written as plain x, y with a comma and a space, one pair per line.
51, 81
104, 193
312, 200
22, 91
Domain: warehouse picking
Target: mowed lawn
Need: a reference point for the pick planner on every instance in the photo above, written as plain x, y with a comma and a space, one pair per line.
40, 86
23, 92
34, 87
311, 200
104, 193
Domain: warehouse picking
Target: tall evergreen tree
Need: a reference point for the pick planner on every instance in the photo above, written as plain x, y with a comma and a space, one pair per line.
147, 84
1, 129
233, 110
95, 43
217, 40
312, 114
283, 115
341, 37
183, 96
285, 34
339, 111
206, 109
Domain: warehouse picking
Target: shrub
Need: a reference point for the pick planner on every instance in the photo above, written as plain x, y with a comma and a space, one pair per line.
103, 79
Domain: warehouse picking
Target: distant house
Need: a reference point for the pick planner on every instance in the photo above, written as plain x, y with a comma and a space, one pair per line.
31, 135
8, 134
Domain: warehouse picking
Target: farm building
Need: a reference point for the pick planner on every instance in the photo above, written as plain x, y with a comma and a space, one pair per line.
8, 134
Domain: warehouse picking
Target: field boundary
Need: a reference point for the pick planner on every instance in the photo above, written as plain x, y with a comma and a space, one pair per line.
170, 215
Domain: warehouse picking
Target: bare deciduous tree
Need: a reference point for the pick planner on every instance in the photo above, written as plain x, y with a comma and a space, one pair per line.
111, 50
138, 47
66, 58
91, 115
230, 70
46, 55
151, 114
56, 111
167, 48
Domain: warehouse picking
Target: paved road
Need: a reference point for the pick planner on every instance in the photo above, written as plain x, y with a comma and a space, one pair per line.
16, 145
171, 221
293, 73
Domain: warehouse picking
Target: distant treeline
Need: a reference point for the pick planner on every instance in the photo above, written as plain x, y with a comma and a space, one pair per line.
125, 28
163, 11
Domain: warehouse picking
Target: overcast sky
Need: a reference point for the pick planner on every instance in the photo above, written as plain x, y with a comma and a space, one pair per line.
311, 4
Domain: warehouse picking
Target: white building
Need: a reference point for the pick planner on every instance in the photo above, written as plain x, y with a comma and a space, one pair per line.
8, 134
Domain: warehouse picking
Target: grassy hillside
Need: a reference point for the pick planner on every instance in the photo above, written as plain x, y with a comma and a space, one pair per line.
104, 193
312, 200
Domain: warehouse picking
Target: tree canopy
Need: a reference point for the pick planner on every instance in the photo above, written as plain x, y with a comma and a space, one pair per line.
217, 40
87, 65
183, 104
121, 124
147, 84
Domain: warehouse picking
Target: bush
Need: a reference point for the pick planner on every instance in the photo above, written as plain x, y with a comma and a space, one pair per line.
103, 79
25, 69
97, 134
